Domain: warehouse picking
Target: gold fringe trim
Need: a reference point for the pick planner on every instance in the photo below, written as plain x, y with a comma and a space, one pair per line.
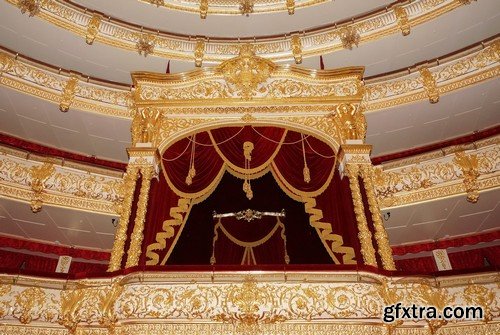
168, 231
324, 230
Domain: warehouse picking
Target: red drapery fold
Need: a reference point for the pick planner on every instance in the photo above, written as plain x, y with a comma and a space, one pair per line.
461, 260
19, 262
9, 242
270, 251
212, 153
448, 243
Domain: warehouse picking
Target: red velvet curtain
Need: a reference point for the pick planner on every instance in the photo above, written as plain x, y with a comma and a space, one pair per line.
212, 153
448, 243
9, 242
18, 262
271, 251
461, 260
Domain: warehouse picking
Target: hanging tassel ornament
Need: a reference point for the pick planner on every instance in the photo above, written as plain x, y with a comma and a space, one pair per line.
247, 152
192, 170
305, 171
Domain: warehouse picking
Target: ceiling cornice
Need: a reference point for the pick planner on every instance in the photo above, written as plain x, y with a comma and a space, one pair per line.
480, 63
72, 186
312, 42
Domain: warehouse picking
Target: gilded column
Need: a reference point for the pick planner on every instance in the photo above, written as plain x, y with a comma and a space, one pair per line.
121, 233
364, 234
137, 236
384, 248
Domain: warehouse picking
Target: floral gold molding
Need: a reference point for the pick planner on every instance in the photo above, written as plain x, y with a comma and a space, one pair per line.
180, 47
151, 303
472, 67
232, 7
44, 181
461, 170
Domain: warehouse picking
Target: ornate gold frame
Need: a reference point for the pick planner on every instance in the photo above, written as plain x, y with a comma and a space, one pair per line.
173, 46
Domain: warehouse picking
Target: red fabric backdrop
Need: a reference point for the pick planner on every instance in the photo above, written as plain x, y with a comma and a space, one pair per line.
220, 150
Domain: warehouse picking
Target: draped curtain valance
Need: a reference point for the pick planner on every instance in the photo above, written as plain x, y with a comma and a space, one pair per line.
303, 167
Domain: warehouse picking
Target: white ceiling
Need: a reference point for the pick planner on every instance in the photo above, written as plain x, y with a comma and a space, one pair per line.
39, 121
57, 225
444, 218
459, 113
143, 14
45, 42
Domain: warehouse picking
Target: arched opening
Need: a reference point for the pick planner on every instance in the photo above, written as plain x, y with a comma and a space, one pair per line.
250, 167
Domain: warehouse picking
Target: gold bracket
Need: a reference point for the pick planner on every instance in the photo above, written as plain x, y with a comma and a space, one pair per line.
93, 28
296, 44
199, 52
203, 9
430, 86
469, 165
39, 175
403, 22
68, 93
290, 6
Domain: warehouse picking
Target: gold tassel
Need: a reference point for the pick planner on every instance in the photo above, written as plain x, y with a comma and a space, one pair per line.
192, 170
305, 171
247, 152
191, 175
247, 188
307, 174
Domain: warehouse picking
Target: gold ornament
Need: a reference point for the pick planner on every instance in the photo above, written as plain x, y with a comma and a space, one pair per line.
68, 93
349, 37
203, 9
158, 3
402, 18
296, 48
134, 251
351, 122
364, 234
93, 28
199, 51
246, 7
469, 166
146, 44
31, 6
247, 71
146, 126
39, 175
290, 6
430, 86
384, 247
129, 181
